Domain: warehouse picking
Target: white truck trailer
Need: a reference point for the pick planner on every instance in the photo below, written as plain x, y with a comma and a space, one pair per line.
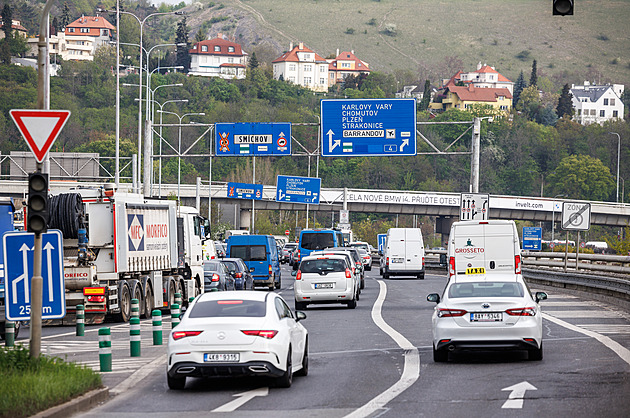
119, 246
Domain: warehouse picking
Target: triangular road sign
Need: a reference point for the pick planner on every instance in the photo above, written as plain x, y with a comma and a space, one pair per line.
39, 128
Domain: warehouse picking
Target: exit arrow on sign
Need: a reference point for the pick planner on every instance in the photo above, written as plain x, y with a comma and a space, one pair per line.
39, 128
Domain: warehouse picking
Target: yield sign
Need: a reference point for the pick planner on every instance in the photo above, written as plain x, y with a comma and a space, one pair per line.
40, 128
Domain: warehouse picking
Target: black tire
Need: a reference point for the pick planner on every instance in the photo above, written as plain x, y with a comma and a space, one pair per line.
421, 276
362, 284
368, 268
300, 306
440, 356
148, 303
304, 370
176, 383
535, 354
352, 304
124, 299
171, 294
385, 276
137, 294
286, 379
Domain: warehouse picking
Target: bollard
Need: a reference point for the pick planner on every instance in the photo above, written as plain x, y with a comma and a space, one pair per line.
80, 321
178, 299
134, 337
157, 327
105, 349
190, 299
9, 333
174, 315
135, 308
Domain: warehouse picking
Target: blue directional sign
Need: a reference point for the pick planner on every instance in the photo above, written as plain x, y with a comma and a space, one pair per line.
245, 191
532, 238
381, 242
248, 139
18, 261
368, 127
298, 189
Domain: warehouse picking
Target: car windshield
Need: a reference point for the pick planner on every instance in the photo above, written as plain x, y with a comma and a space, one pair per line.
317, 240
249, 252
210, 266
231, 265
228, 308
361, 246
322, 266
486, 290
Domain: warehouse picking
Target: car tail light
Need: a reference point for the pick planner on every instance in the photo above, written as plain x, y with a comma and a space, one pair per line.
270, 269
531, 311
422, 262
451, 266
387, 261
367, 257
178, 335
215, 277
268, 334
353, 270
517, 264
348, 273
96, 299
212, 257
444, 313
238, 275
298, 275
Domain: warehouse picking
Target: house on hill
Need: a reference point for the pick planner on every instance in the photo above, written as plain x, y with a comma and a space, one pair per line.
484, 77
302, 66
344, 65
218, 57
16, 26
464, 97
597, 104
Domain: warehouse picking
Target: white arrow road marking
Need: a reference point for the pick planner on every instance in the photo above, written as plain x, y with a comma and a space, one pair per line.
515, 399
332, 144
405, 142
48, 248
242, 399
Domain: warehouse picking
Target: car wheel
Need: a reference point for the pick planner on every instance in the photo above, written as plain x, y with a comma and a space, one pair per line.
385, 276
286, 379
421, 276
175, 383
352, 304
362, 284
368, 268
304, 370
300, 306
536, 354
440, 356
279, 284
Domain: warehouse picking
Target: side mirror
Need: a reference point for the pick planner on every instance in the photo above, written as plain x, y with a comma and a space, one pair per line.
294, 273
540, 296
299, 315
433, 297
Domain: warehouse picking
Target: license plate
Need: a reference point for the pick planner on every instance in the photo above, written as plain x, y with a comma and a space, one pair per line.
398, 260
324, 285
486, 317
476, 270
221, 357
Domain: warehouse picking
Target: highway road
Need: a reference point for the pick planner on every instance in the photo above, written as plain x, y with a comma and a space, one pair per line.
376, 360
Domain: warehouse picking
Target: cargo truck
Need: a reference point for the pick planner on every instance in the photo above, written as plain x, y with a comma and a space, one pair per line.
119, 246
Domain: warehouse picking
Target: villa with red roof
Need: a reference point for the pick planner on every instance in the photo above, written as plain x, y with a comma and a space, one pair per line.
484, 77
218, 57
344, 65
464, 97
302, 66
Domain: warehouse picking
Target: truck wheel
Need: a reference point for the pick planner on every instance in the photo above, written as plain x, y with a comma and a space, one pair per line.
124, 299
137, 294
148, 303
171, 294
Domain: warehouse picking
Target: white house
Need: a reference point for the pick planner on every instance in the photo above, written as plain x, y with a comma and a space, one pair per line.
597, 104
302, 66
218, 57
484, 77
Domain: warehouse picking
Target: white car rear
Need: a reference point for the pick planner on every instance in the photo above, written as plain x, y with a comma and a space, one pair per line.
325, 279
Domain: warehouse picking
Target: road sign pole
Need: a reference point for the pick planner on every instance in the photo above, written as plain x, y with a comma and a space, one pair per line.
36, 298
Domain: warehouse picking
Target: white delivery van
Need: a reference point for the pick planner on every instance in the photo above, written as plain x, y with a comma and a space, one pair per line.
483, 248
403, 254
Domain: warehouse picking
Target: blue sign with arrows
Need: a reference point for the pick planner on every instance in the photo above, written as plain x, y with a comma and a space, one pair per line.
244, 191
298, 189
368, 127
532, 238
18, 262
381, 242
252, 139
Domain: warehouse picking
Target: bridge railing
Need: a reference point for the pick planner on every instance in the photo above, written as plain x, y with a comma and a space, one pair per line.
577, 262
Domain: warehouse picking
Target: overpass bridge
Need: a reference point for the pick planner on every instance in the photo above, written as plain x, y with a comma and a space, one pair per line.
435, 204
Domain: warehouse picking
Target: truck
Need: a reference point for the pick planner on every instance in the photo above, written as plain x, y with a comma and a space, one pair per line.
119, 246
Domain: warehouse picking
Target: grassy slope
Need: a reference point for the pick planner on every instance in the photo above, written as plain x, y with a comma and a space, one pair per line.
491, 31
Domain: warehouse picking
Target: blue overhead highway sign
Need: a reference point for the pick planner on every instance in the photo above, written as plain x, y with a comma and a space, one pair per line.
250, 139
368, 127
298, 189
18, 262
244, 191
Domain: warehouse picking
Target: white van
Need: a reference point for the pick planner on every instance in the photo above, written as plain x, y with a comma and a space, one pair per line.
483, 248
403, 254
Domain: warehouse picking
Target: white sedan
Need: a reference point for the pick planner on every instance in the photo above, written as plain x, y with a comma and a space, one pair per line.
238, 334
478, 314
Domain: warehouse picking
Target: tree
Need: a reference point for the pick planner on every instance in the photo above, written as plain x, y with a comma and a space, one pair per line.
5, 45
518, 88
65, 16
183, 57
529, 102
253, 61
582, 177
199, 36
533, 79
565, 104
426, 96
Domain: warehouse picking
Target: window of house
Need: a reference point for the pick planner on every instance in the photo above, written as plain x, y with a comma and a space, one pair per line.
345, 65
217, 48
579, 112
602, 113
615, 113
291, 67
503, 107
612, 102
322, 80
231, 60
105, 32
322, 68
204, 48
85, 30
308, 80
71, 30
230, 49
307, 57
308, 68
359, 64
605, 102
593, 112
500, 98
292, 79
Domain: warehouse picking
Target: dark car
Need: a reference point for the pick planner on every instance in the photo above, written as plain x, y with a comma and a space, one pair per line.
285, 253
243, 279
216, 276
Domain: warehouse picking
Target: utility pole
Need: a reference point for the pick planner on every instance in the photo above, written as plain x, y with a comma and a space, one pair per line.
474, 166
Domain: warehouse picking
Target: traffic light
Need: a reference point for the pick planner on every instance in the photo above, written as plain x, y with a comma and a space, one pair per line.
37, 215
562, 7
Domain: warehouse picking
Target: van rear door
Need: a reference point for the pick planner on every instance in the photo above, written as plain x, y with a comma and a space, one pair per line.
413, 249
470, 247
500, 248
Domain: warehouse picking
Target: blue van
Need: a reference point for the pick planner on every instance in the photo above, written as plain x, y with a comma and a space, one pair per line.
316, 239
260, 253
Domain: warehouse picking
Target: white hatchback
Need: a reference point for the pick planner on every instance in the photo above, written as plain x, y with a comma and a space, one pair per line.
325, 279
237, 333
487, 314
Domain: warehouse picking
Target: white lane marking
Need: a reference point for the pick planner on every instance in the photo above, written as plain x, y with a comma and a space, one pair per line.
411, 370
242, 399
584, 314
620, 350
515, 399
138, 375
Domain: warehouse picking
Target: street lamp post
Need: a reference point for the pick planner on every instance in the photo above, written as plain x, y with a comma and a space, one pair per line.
553, 216
160, 149
618, 154
476, 145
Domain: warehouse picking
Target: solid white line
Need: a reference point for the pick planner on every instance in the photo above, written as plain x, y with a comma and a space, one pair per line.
411, 370
620, 350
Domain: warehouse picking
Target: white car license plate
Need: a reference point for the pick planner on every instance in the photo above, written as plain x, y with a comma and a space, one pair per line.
324, 285
486, 317
398, 260
221, 357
